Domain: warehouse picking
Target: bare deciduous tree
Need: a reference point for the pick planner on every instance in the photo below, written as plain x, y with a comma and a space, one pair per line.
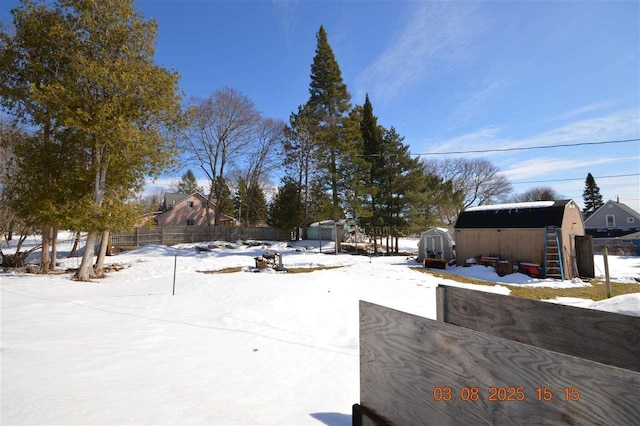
477, 179
262, 158
538, 193
222, 128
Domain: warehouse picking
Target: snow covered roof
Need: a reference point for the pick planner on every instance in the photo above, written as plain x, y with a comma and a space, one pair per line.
529, 205
537, 214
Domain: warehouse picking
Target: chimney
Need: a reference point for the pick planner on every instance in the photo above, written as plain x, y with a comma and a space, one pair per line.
617, 199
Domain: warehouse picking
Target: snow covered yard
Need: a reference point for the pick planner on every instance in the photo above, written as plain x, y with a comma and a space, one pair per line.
228, 348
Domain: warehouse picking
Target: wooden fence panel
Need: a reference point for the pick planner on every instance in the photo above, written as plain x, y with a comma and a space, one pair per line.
170, 235
600, 336
410, 366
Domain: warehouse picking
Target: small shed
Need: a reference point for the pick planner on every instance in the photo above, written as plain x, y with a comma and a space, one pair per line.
525, 232
436, 243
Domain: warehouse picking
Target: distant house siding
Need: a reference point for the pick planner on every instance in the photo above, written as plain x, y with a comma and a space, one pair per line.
613, 219
187, 212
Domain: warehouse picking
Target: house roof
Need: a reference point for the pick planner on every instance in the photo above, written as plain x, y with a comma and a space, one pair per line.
631, 212
538, 214
173, 198
632, 236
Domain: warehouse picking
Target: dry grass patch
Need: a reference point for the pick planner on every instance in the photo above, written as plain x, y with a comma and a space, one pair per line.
310, 269
597, 290
288, 270
223, 271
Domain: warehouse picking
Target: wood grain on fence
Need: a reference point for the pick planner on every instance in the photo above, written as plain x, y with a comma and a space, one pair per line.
600, 336
409, 366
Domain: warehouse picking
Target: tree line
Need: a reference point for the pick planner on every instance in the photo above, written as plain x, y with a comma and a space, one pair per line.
105, 119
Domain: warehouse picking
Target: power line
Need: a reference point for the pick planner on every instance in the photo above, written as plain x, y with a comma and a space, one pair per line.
570, 179
525, 148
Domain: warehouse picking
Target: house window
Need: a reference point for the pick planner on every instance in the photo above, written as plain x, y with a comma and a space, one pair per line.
629, 220
190, 203
611, 221
191, 222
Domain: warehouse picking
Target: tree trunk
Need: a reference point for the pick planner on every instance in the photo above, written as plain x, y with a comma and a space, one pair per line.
75, 245
306, 197
85, 271
45, 260
335, 200
219, 188
104, 243
54, 249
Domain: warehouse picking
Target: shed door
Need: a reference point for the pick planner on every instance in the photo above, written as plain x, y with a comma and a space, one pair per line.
584, 256
436, 246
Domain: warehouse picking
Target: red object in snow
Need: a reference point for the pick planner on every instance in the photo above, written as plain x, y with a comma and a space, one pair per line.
531, 269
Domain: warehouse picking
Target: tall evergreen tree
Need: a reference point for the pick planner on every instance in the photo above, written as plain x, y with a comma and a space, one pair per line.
355, 170
299, 146
401, 175
329, 101
591, 195
188, 184
372, 151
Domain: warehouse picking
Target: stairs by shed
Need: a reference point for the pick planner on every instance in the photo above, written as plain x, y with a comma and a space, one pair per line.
553, 254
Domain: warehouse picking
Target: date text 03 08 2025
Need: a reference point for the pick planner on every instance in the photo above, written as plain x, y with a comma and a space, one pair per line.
503, 394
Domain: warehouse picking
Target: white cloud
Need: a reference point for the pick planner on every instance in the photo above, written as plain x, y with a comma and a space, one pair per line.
542, 166
596, 106
467, 141
478, 100
438, 33
619, 125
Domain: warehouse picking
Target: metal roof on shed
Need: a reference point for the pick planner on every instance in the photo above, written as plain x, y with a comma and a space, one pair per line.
517, 215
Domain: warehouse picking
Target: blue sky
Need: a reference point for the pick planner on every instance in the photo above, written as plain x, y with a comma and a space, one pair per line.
450, 76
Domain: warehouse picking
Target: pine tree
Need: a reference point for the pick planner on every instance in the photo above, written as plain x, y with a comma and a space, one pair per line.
225, 204
286, 210
329, 102
299, 146
188, 184
355, 169
372, 137
591, 195
250, 203
400, 176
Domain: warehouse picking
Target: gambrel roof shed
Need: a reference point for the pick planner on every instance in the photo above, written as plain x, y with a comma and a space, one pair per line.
520, 232
537, 214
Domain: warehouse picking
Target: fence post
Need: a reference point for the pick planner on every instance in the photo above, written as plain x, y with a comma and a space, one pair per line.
441, 302
162, 235
135, 233
607, 282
